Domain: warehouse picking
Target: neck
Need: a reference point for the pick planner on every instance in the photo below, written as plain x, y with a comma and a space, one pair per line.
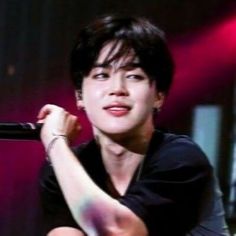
122, 153
135, 141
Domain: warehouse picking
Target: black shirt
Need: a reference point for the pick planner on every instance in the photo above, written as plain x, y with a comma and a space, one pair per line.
172, 191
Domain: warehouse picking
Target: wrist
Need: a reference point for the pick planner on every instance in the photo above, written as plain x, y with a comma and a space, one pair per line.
55, 139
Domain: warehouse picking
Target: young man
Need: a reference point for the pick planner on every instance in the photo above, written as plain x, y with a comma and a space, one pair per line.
130, 179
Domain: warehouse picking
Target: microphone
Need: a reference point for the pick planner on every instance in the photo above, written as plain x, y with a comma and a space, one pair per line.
20, 131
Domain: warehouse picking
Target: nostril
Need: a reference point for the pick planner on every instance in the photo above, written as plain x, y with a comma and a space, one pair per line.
119, 93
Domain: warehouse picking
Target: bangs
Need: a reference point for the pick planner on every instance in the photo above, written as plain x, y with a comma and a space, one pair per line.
131, 40
120, 49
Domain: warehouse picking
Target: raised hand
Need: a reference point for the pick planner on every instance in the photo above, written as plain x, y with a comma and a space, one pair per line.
57, 122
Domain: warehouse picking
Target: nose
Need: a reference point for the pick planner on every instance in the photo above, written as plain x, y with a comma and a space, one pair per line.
118, 86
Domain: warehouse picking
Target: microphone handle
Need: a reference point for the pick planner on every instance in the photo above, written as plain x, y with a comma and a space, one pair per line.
20, 131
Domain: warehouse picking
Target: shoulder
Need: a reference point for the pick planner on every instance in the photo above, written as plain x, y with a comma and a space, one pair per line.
176, 140
168, 149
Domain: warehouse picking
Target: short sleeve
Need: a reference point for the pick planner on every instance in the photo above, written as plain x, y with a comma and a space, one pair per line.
168, 194
55, 210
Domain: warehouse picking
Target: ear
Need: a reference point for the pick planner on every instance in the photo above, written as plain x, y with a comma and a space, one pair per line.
160, 98
79, 99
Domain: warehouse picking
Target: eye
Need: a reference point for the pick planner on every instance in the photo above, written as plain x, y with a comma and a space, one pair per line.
135, 77
100, 76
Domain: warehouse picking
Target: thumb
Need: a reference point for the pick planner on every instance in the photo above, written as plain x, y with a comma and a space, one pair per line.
44, 111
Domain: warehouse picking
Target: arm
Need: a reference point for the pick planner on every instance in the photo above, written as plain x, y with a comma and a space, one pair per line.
62, 231
95, 211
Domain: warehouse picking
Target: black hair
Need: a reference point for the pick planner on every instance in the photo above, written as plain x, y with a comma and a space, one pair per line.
137, 34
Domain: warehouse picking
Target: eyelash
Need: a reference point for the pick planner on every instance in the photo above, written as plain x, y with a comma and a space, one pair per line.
105, 75
101, 76
135, 76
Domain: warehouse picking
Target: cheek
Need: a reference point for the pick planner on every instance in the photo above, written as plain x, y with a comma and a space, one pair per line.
92, 98
92, 90
146, 97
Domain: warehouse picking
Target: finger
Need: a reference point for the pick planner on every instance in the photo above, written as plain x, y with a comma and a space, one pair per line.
46, 110
71, 122
43, 112
72, 127
41, 121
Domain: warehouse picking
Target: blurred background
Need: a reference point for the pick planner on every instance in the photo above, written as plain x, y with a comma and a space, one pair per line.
36, 38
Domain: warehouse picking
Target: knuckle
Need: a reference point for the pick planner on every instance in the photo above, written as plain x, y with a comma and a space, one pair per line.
75, 118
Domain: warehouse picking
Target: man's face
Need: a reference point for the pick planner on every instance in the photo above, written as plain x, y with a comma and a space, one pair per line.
118, 97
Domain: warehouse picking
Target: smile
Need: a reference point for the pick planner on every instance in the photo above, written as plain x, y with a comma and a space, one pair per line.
117, 110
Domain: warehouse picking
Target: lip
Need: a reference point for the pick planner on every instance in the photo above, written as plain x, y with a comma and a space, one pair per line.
117, 109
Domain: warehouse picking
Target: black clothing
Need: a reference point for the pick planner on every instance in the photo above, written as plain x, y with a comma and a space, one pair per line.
172, 191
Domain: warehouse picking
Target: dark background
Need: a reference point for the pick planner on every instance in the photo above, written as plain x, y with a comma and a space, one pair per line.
35, 41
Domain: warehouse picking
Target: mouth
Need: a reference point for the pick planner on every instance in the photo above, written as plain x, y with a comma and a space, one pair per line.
117, 109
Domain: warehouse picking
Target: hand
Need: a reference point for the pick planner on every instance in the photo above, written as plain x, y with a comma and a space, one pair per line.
57, 121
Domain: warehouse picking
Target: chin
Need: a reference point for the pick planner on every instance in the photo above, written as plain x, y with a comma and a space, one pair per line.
117, 130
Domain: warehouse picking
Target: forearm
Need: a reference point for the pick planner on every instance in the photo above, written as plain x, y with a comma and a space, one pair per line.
95, 211
68, 231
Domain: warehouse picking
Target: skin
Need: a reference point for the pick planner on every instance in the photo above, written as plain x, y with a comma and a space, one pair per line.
118, 99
